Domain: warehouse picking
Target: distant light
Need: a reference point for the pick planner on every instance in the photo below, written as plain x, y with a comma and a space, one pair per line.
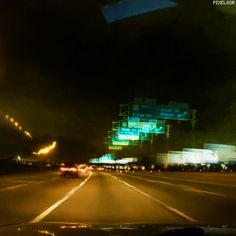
111, 147
18, 158
224, 152
126, 160
46, 149
20, 128
16, 124
45, 232
194, 155
6, 117
107, 159
63, 169
128, 137
12, 120
120, 142
28, 134
175, 157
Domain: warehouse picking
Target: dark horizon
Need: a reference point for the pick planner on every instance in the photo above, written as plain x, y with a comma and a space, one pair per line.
64, 70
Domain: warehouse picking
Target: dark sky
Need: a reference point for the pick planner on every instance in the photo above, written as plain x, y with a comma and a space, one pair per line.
64, 70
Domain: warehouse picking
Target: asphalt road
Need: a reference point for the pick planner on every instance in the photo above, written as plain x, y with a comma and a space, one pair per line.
119, 197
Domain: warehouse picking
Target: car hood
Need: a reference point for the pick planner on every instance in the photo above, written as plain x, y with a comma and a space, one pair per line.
72, 229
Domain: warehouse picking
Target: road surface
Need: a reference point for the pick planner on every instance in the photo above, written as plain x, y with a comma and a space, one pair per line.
119, 197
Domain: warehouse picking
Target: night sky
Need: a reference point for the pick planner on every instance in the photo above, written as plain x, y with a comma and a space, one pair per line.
64, 70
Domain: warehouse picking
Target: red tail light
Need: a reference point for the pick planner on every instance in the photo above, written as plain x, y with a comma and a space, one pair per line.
63, 169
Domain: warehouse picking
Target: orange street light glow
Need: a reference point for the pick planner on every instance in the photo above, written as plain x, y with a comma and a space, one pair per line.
16, 124
28, 134
46, 149
12, 120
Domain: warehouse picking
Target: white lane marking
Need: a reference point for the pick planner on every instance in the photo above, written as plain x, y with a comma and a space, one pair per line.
30, 183
42, 181
208, 192
13, 187
173, 210
58, 203
187, 188
193, 181
160, 182
25, 178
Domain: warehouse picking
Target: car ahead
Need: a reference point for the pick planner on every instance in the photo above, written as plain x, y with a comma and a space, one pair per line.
70, 170
84, 170
74, 170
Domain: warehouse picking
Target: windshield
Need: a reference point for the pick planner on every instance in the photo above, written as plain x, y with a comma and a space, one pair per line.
137, 96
